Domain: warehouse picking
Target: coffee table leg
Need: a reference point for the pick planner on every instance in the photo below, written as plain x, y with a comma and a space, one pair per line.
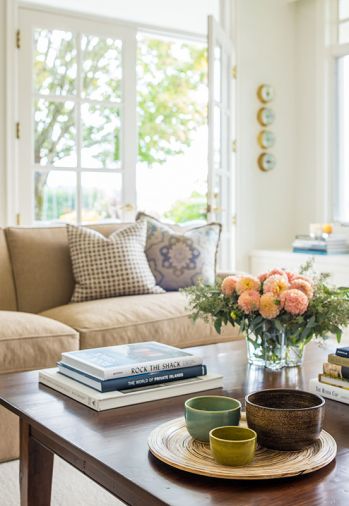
35, 473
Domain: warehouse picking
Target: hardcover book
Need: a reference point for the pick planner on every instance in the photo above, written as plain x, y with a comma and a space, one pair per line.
343, 352
336, 371
330, 392
335, 359
139, 380
129, 359
336, 382
101, 401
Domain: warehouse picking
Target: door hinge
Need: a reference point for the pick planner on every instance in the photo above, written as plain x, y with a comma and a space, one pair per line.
233, 219
18, 39
234, 146
18, 130
18, 219
234, 72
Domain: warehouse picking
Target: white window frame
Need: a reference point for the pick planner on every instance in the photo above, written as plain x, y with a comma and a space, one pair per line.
220, 204
128, 132
19, 210
333, 51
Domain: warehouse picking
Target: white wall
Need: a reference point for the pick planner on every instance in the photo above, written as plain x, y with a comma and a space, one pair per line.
2, 114
313, 125
267, 202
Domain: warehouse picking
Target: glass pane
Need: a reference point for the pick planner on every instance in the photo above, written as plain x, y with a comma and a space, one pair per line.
101, 68
343, 32
100, 136
342, 184
101, 196
54, 133
54, 62
55, 196
217, 141
343, 9
217, 73
172, 115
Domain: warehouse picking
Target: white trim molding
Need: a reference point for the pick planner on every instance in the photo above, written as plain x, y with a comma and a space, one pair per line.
11, 113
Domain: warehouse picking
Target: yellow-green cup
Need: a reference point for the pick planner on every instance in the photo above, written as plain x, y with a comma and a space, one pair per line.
207, 412
233, 446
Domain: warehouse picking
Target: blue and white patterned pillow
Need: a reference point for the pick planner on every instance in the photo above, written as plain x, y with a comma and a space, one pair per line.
181, 258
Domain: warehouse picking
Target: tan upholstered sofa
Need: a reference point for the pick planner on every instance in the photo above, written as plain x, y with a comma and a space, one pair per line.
38, 322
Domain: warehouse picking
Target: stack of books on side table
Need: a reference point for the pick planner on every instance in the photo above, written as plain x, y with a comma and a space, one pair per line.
333, 382
116, 376
334, 244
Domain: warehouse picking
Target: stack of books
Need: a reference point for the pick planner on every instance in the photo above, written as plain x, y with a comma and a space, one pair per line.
333, 382
115, 376
334, 244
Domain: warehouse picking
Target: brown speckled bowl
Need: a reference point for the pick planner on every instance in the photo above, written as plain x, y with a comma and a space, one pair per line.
285, 419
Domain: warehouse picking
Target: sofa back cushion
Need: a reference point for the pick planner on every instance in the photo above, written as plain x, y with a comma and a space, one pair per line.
42, 266
7, 287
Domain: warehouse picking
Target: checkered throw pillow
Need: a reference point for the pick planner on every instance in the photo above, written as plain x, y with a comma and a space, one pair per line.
110, 266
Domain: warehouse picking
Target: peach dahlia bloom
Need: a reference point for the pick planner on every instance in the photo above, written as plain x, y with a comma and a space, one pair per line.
294, 301
263, 277
249, 301
276, 284
303, 286
247, 283
305, 278
290, 276
280, 272
269, 306
228, 285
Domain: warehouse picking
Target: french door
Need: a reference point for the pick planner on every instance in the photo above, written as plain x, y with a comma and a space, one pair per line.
221, 174
79, 155
77, 117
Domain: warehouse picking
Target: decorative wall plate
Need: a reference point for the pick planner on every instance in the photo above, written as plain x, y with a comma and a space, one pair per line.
266, 139
265, 116
172, 444
266, 161
265, 93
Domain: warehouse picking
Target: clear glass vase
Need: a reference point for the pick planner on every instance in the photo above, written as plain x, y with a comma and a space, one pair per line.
267, 349
294, 353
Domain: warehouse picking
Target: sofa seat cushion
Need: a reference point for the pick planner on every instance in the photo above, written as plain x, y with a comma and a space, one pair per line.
29, 341
161, 317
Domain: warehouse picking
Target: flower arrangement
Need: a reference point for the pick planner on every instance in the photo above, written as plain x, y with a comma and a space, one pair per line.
279, 311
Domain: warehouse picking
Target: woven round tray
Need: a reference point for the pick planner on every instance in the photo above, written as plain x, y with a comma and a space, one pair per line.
172, 444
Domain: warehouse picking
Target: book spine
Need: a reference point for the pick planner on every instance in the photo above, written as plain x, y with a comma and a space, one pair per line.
335, 382
330, 392
137, 397
309, 251
309, 245
336, 371
342, 352
162, 392
130, 382
335, 359
73, 393
141, 368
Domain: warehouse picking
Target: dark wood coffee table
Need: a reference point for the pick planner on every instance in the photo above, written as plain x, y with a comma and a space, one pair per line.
111, 447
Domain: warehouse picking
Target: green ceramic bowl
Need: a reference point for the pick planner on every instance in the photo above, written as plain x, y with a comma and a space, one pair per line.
207, 412
233, 446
